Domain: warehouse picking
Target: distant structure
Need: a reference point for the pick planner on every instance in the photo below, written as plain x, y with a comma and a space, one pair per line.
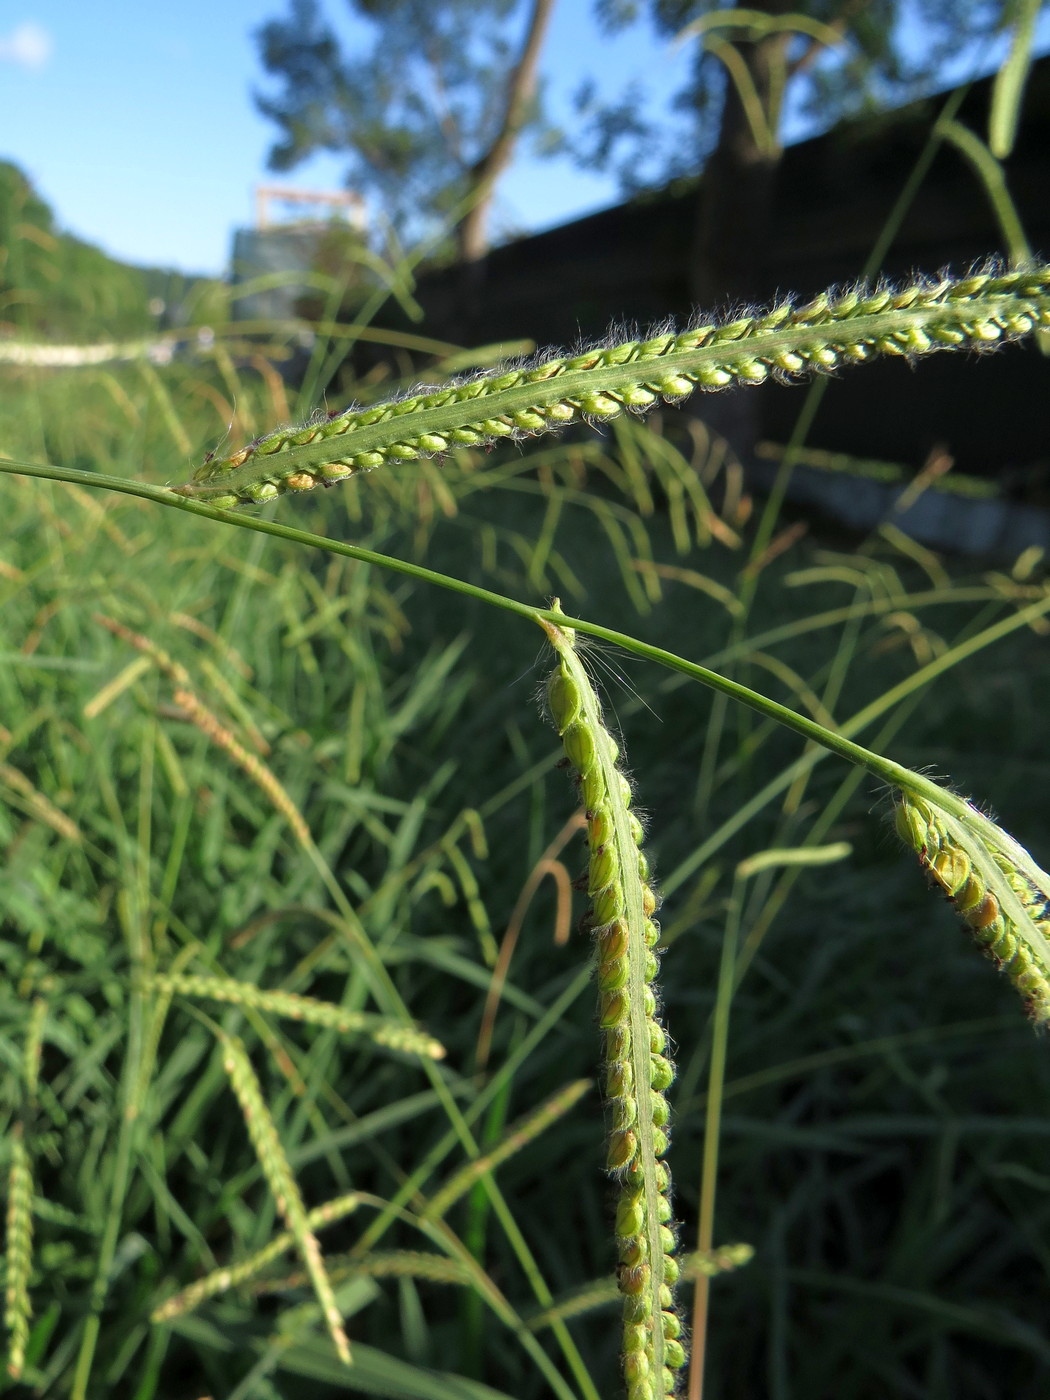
277, 249
332, 200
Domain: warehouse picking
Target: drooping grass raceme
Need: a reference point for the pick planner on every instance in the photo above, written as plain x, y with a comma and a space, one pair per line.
637, 1070
382, 1030
17, 1309
19, 1234
994, 884
282, 1183
541, 395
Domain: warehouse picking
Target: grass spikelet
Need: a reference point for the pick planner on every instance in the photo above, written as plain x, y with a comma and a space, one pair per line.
394, 1035
636, 1066
282, 1183
528, 1128
993, 883
978, 311
234, 1275
17, 1307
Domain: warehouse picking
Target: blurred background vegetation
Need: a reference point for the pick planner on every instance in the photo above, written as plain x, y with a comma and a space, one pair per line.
883, 1144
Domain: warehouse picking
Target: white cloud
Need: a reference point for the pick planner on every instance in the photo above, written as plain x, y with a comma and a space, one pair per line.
28, 45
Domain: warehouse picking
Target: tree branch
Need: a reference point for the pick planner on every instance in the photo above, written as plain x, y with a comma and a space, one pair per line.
487, 168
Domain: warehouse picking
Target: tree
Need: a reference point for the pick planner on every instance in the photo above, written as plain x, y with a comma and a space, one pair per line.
830, 58
428, 118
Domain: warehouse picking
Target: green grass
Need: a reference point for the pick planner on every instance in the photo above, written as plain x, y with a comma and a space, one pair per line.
883, 1127
231, 771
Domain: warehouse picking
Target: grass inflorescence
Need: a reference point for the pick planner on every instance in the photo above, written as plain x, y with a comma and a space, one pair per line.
237, 1275
637, 1069
395, 1036
312, 775
833, 330
17, 1306
1001, 894
281, 1180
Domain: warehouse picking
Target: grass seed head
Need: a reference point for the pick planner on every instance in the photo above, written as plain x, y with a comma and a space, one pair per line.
965, 876
636, 1070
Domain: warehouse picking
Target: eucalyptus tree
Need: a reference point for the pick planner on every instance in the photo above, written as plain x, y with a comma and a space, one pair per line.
427, 103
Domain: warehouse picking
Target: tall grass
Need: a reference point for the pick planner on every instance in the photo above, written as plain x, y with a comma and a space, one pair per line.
297, 1028
873, 1152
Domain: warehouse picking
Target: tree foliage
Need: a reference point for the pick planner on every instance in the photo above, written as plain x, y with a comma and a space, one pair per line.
831, 58
52, 284
426, 110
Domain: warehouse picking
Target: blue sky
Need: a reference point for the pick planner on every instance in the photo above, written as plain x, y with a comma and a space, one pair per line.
135, 120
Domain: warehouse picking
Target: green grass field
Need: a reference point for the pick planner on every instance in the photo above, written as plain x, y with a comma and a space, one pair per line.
312, 776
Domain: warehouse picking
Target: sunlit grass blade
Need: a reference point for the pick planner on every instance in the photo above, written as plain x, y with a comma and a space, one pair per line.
524, 1132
